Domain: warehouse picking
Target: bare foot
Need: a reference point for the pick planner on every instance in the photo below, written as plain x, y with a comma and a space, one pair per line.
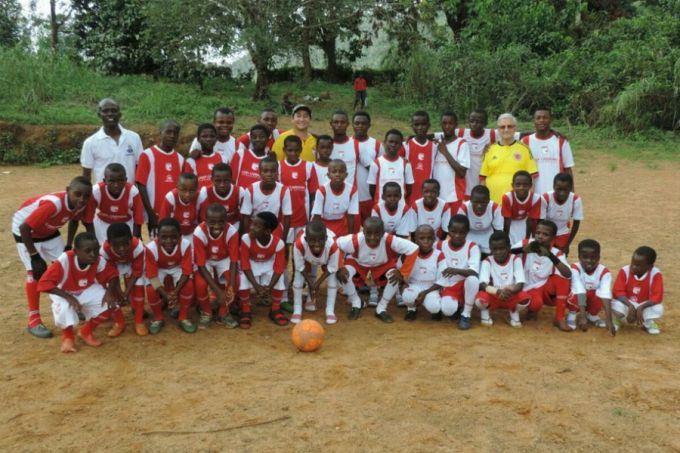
90, 339
67, 346
562, 325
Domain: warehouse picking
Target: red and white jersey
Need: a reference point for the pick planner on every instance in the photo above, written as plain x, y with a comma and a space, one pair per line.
421, 158
467, 256
369, 150
599, 281
348, 152
276, 201
552, 156
245, 167
502, 275
649, 287
401, 221
537, 269
437, 217
128, 206
483, 226
426, 269
224, 247
476, 145
572, 208
518, 212
202, 167
158, 258
231, 202
384, 170
320, 177
389, 248
65, 273
329, 256
262, 259
158, 171
244, 140
134, 257
332, 205
226, 149
185, 213
296, 177
45, 214
443, 172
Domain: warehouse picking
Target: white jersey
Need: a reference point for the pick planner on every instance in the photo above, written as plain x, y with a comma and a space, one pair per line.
572, 208
466, 256
390, 247
599, 281
321, 172
384, 170
348, 152
502, 275
476, 146
100, 150
334, 206
483, 226
426, 270
225, 149
552, 156
399, 221
537, 269
437, 217
444, 173
329, 257
277, 201
369, 150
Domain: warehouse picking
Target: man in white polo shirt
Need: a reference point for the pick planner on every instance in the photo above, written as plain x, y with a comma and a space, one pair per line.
112, 143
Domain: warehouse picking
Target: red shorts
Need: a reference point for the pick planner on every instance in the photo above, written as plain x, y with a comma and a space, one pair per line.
553, 293
340, 226
457, 291
495, 302
377, 273
593, 303
561, 241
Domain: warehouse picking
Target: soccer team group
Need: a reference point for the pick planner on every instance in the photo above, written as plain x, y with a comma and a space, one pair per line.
409, 219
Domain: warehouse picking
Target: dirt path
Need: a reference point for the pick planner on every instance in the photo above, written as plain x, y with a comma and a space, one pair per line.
373, 387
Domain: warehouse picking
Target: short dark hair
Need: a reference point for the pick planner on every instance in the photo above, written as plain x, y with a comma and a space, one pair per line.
292, 139
118, 230
324, 137
481, 112
648, 253
169, 222
187, 177
340, 112
166, 123
450, 113
499, 236
221, 167
82, 237
460, 219
316, 228
204, 126
116, 168
524, 173
432, 181
361, 113
216, 208
80, 180
422, 113
269, 219
223, 111
269, 160
543, 108
480, 190
563, 177
394, 132
550, 224
259, 127
589, 244
391, 185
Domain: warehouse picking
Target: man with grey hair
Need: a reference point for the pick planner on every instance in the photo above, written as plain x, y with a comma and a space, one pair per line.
111, 143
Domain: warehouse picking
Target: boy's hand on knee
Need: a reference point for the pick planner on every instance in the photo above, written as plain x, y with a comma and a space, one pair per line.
229, 295
73, 303
342, 275
395, 277
38, 266
420, 298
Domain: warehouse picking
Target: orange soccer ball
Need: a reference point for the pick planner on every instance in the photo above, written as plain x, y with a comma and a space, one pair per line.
308, 335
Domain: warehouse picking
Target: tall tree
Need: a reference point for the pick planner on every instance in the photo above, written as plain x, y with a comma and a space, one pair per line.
11, 23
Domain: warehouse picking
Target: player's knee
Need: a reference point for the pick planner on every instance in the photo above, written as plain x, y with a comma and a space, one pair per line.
449, 306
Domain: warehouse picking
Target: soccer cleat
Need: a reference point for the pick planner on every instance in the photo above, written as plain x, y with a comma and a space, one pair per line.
116, 330
295, 319
278, 318
354, 313
571, 323
374, 297
599, 322
384, 317
515, 324
653, 328
331, 319
141, 329
399, 300
562, 325
81, 316
245, 321
228, 321
410, 315
456, 315
617, 324
287, 306
204, 320
464, 323
40, 331
156, 326
486, 319
187, 326
67, 345
89, 339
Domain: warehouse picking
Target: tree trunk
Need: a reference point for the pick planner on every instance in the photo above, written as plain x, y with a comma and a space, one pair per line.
306, 57
329, 49
261, 64
54, 25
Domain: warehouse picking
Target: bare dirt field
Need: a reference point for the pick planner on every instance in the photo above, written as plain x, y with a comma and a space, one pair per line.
422, 386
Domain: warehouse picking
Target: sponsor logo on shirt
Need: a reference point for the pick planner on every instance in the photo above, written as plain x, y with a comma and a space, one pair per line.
254, 166
517, 156
168, 166
114, 208
82, 282
130, 150
210, 166
214, 249
295, 175
186, 215
504, 276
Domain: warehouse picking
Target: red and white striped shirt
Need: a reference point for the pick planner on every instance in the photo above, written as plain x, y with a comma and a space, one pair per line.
224, 247
157, 258
134, 257
185, 213
65, 273
128, 206
45, 214
158, 171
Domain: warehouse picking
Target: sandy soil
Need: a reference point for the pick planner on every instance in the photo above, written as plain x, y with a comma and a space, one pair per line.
373, 387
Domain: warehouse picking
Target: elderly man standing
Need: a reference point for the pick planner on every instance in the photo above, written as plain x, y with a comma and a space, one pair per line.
112, 143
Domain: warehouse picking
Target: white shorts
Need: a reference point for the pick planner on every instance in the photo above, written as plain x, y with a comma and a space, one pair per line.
91, 300
219, 268
101, 227
262, 279
125, 271
299, 281
292, 234
410, 294
653, 312
175, 273
48, 250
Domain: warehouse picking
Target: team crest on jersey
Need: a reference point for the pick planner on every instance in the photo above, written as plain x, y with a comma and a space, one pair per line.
421, 156
210, 166
64, 219
504, 276
636, 290
214, 249
373, 256
545, 150
454, 261
392, 171
130, 150
559, 213
260, 256
479, 225
186, 215
295, 175
82, 282
423, 270
264, 205
168, 166
254, 166
517, 156
114, 208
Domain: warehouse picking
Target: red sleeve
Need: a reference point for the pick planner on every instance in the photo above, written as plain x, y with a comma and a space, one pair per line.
104, 277
90, 209
620, 285
656, 289
233, 247
535, 211
51, 277
199, 251
525, 140
151, 265
138, 264
506, 209
245, 257
313, 182
166, 209
44, 211
137, 210
143, 170
280, 260
187, 262
235, 166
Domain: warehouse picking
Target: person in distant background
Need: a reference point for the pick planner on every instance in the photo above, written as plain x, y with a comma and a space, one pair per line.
360, 86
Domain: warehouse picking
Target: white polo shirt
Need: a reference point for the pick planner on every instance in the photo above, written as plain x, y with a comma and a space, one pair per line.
99, 150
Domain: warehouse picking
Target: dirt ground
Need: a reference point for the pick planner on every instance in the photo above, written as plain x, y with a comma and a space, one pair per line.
424, 386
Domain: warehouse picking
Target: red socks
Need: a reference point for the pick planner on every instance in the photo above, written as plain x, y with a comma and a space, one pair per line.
68, 334
244, 300
155, 303
277, 295
33, 298
117, 314
92, 324
137, 302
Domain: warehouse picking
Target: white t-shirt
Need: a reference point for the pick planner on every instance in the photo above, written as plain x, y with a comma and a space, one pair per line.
99, 150
572, 208
552, 156
502, 275
226, 149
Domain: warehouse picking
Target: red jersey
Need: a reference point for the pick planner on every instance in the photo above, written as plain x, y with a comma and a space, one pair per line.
262, 259
231, 202
649, 287
297, 178
45, 214
66, 274
158, 258
245, 139
514, 209
245, 167
135, 256
202, 167
223, 247
421, 158
158, 171
128, 206
360, 84
185, 214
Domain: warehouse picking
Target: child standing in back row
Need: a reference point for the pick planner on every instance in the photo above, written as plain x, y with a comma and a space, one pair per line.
419, 152
181, 204
390, 167
223, 120
520, 208
369, 150
336, 203
203, 164
562, 206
